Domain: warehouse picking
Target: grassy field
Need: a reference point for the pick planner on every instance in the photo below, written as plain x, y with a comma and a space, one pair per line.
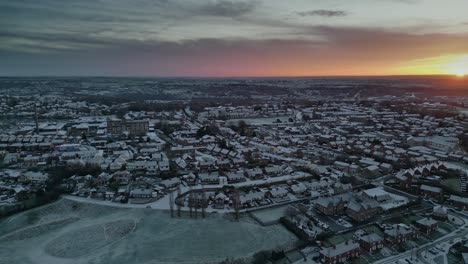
73, 233
452, 183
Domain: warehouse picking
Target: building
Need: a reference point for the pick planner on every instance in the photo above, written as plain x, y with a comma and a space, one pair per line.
340, 253
278, 192
400, 233
430, 191
458, 201
371, 242
363, 210
427, 225
440, 213
330, 205
209, 178
132, 127
141, 193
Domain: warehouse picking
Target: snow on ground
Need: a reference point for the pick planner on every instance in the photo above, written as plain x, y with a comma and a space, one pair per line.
69, 232
163, 203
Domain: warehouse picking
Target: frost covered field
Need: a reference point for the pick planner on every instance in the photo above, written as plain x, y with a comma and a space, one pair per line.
72, 232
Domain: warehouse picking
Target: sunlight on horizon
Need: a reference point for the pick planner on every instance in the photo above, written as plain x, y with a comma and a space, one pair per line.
456, 64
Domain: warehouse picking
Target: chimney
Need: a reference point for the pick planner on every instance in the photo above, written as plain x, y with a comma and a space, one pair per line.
398, 227
334, 246
347, 242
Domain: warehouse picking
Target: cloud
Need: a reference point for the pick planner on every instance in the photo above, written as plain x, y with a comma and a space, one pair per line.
323, 13
228, 8
343, 51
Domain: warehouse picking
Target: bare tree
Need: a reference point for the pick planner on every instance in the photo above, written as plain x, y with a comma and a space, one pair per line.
171, 203
236, 201
203, 203
190, 201
178, 204
196, 210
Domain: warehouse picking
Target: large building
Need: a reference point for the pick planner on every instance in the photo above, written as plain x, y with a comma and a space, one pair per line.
132, 127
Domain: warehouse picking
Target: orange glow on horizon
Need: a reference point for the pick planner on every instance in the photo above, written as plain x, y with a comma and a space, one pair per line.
456, 65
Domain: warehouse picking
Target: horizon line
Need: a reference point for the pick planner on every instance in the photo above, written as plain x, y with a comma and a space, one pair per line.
227, 76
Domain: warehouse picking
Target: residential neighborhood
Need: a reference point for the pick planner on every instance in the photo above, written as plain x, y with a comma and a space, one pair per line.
357, 180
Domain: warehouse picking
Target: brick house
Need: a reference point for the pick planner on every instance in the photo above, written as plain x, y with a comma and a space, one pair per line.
427, 225
458, 201
430, 191
363, 210
330, 205
371, 242
400, 233
340, 253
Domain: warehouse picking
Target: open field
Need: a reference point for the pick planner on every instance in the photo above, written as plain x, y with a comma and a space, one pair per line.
452, 183
269, 215
71, 232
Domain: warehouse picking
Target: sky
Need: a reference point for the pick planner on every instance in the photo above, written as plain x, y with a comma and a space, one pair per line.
233, 38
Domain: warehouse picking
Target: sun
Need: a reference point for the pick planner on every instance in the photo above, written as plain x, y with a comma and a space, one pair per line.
457, 66
460, 73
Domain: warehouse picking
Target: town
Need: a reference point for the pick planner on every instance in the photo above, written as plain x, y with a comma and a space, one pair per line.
358, 176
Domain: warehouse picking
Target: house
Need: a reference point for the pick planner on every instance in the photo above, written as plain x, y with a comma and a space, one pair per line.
254, 173
190, 178
206, 164
122, 177
340, 253
378, 194
458, 201
37, 177
223, 164
235, 176
141, 193
170, 183
151, 166
371, 242
400, 233
334, 205
278, 192
427, 225
340, 188
163, 165
299, 188
430, 191
209, 178
362, 210
219, 201
440, 213
273, 170
251, 197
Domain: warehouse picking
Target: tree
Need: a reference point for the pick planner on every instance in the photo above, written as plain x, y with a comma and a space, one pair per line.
211, 130
261, 257
242, 124
291, 211
114, 185
22, 196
